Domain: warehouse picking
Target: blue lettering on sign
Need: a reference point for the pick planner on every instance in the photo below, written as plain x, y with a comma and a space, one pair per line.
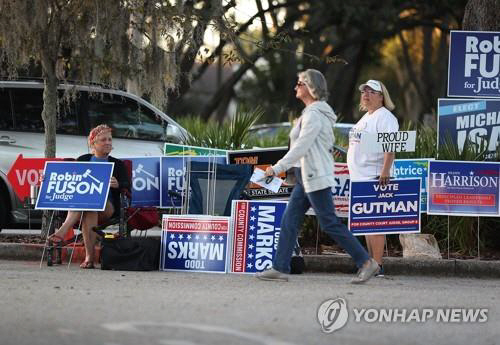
339, 189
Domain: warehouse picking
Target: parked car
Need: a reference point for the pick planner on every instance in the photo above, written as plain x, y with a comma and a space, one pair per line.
270, 130
139, 129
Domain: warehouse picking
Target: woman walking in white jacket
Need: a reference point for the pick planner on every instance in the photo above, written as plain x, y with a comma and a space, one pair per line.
311, 155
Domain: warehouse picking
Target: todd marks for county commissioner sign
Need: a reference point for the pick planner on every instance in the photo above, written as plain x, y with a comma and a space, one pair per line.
256, 230
390, 209
194, 243
81, 186
474, 64
463, 188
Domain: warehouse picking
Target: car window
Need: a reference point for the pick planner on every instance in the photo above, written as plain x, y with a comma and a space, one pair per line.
26, 111
151, 125
27, 106
6, 115
123, 114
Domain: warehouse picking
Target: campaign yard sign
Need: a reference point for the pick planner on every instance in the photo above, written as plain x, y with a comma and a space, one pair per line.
173, 179
145, 181
463, 188
261, 158
474, 64
390, 209
340, 191
403, 141
194, 243
25, 172
78, 186
256, 230
187, 150
475, 121
414, 168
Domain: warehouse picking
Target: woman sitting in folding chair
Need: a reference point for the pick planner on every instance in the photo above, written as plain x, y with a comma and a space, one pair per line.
100, 144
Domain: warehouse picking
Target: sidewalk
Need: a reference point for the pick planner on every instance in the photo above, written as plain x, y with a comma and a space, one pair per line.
327, 263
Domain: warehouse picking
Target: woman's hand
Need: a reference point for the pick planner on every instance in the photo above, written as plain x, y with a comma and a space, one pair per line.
269, 171
384, 179
386, 169
113, 182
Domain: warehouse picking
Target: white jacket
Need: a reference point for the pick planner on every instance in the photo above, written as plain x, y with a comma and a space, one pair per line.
311, 143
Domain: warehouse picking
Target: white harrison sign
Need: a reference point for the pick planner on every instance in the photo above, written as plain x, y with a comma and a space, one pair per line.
388, 142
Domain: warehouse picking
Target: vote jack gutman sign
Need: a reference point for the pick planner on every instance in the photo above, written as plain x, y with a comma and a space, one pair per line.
390, 209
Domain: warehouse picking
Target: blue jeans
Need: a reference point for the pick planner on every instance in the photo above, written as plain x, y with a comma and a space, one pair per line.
322, 203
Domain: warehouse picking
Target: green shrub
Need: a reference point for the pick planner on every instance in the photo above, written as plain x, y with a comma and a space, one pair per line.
230, 135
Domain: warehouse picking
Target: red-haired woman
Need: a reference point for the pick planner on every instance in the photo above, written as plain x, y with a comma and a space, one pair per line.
100, 145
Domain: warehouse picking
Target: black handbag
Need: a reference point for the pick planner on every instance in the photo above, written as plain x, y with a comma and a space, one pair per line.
130, 254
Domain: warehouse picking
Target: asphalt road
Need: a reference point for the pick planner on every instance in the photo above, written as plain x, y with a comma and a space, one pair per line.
57, 305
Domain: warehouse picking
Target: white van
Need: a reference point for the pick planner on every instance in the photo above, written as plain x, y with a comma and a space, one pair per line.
139, 129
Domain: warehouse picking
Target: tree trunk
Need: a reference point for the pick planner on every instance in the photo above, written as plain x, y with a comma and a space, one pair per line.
49, 116
482, 15
49, 113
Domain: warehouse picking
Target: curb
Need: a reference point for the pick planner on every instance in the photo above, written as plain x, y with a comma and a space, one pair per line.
413, 267
33, 252
320, 263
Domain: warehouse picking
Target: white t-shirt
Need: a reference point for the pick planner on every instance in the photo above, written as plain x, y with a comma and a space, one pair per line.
367, 166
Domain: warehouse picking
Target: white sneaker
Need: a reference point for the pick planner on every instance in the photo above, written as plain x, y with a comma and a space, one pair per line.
272, 275
366, 272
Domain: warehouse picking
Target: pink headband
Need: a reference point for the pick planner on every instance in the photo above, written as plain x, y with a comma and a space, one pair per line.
94, 133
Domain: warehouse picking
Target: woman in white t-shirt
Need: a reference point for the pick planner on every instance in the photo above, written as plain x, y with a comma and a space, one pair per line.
377, 103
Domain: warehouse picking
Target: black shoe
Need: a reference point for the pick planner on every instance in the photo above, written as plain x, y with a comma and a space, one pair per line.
380, 273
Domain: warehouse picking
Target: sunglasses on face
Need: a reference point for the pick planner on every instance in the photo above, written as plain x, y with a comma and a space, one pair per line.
370, 92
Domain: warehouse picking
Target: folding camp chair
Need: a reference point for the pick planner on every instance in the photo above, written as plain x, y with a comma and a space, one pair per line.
214, 186
130, 218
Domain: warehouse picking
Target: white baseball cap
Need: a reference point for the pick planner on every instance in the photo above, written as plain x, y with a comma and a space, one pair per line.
372, 84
